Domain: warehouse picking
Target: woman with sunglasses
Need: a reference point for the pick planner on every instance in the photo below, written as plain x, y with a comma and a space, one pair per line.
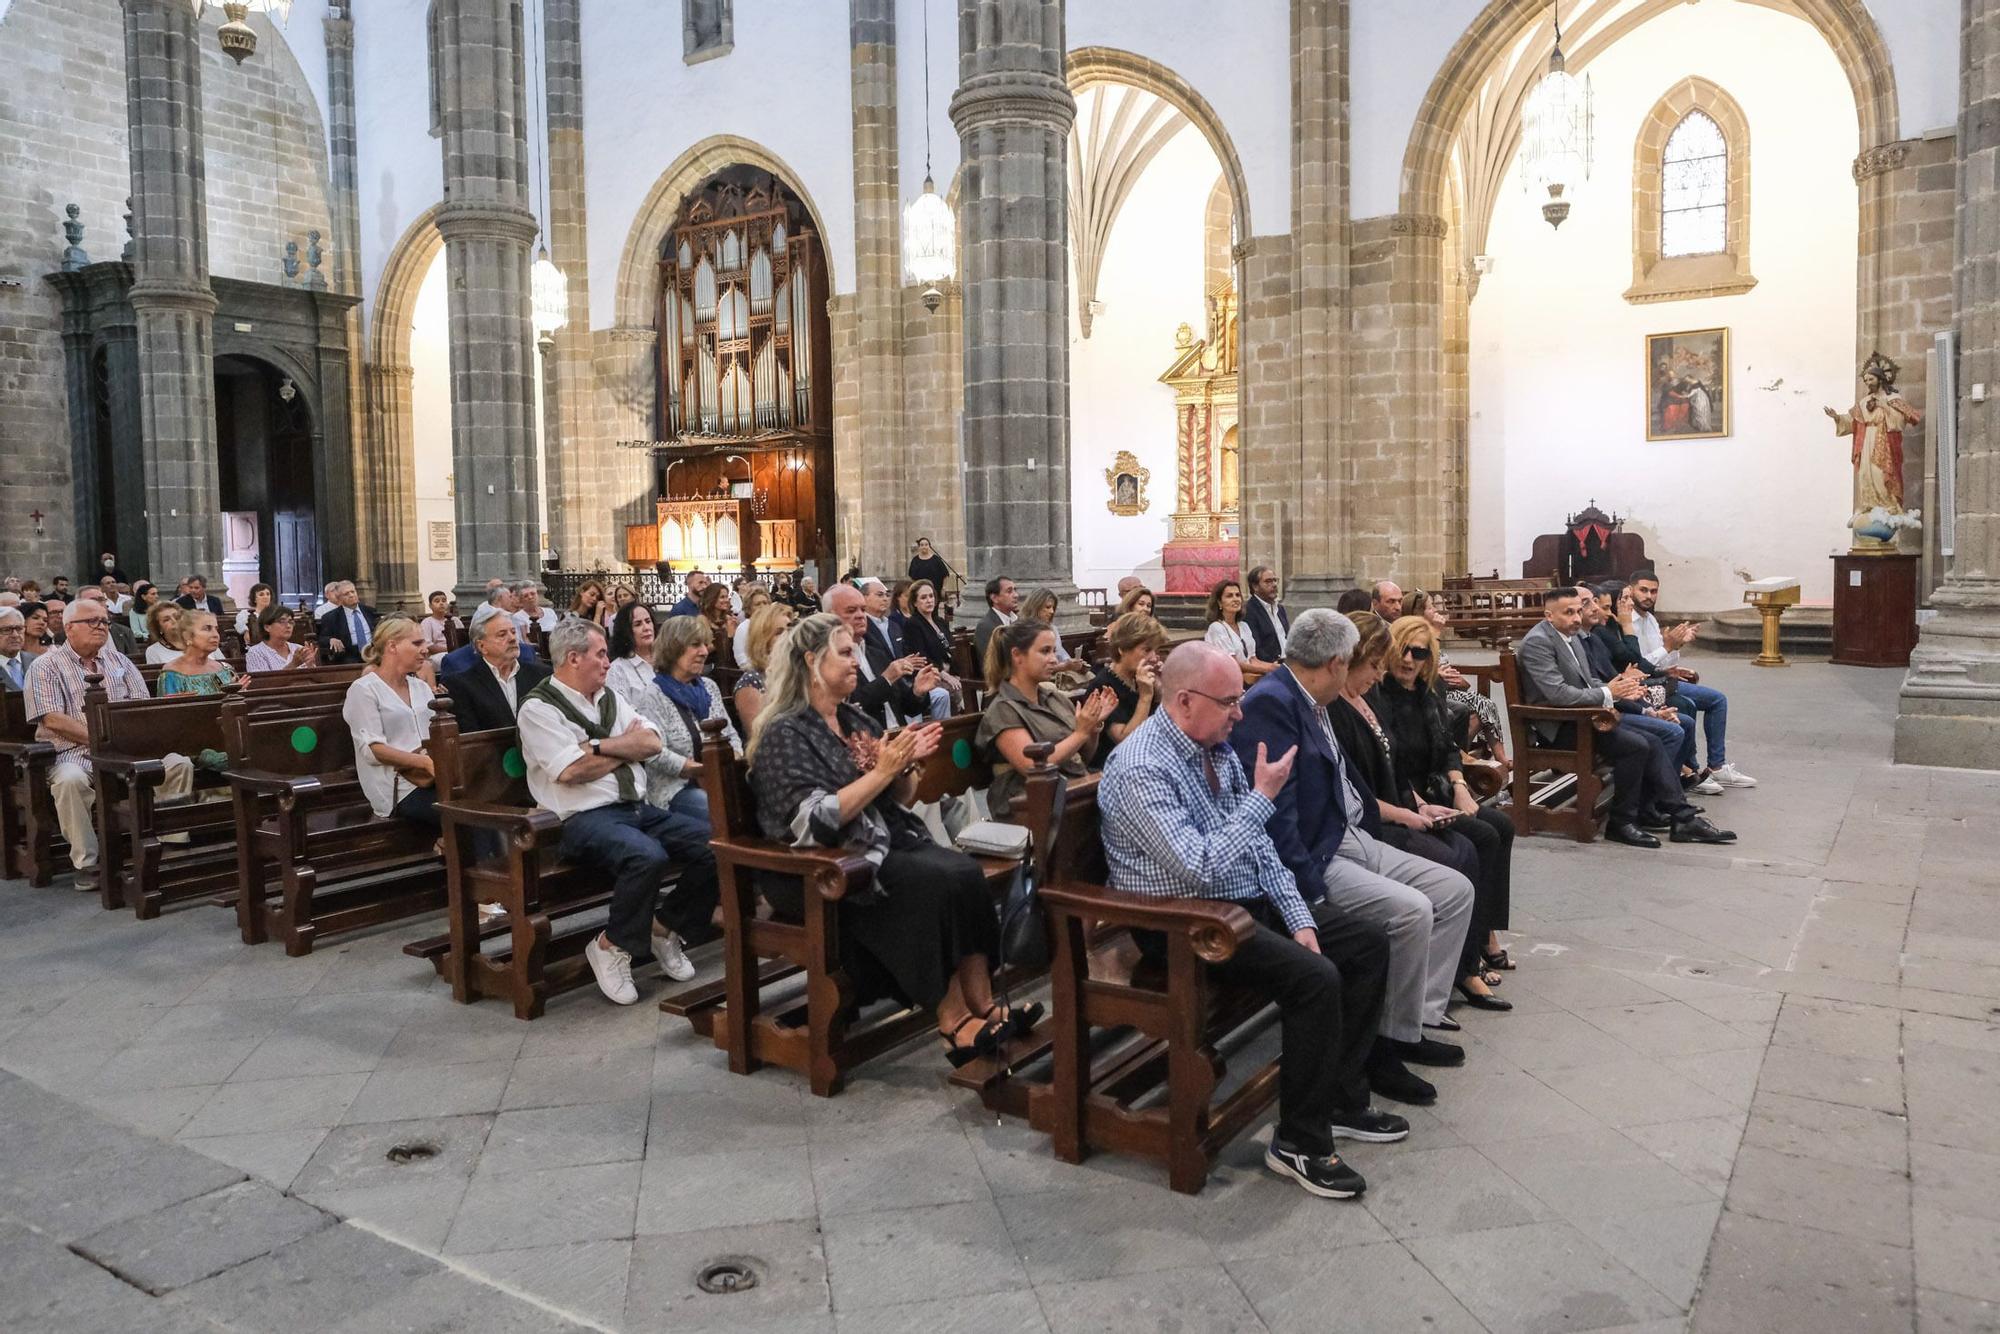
1410, 702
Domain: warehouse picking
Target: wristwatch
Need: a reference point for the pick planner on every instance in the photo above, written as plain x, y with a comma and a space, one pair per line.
596, 746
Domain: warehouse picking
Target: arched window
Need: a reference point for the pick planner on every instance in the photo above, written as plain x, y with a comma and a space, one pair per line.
1691, 197
1694, 189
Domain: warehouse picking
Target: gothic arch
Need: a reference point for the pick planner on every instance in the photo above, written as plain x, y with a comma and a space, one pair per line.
1504, 24
1104, 64
637, 293
410, 261
1689, 276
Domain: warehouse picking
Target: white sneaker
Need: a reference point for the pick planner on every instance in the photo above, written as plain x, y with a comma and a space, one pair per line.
1731, 776
1708, 787
613, 967
674, 961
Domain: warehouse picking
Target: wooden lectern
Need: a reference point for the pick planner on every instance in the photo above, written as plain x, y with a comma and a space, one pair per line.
1770, 597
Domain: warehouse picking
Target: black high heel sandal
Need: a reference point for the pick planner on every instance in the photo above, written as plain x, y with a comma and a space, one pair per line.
1479, 1002
984, 1043
1498, 961
1018, 1022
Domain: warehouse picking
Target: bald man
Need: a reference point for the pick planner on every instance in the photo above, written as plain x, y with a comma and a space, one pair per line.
1387, 600
1181, 819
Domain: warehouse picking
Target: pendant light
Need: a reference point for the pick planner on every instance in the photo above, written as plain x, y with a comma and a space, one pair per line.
929, 231
547, 286
236, 37
1558, 134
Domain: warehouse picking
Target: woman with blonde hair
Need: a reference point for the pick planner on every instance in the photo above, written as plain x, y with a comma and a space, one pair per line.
1139, 599
754, 597
1040, 604
658, 671
925, 931
1459, 692
589, 600
198, 669
1137, 645
388, 709
770, 621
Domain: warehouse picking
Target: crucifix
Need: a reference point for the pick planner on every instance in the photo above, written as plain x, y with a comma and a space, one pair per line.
37, 516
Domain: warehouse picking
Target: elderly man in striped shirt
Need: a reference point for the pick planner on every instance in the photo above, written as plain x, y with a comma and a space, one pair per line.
1182, 820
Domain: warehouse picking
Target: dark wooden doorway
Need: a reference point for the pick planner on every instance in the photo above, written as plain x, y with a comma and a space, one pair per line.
264, 448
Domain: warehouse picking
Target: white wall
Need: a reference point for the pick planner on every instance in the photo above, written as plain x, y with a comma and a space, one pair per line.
430, 426
401, 165
1399, 46
1559, 383
786, 86
1150, 283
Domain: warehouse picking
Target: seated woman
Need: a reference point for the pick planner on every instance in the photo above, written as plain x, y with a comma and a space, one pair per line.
388, 709
247, 624
144, 598
925, 632
714, 609
1025, 705
1464, 698
1412, 709
1041, 604
35, 627
589, 601
755, 596
276, 652
824, 776
620, 598
1139, 599
1228, 631
1137, 645
163, 622
435, 626
197, 668
771, 621
659, 673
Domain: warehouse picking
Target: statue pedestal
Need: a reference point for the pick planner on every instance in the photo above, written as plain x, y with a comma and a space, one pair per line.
1874, 610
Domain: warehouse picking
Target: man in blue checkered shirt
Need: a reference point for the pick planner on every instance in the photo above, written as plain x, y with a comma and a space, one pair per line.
1181, 820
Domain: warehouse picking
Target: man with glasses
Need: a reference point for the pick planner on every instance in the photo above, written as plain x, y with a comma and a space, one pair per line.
14, 656
55, 691
1181, 819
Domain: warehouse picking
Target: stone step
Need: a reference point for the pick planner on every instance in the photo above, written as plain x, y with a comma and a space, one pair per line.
1804, 632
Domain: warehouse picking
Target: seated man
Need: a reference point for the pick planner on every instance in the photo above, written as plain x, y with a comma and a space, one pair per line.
892, 689
196, 594
1608, 652
15, 659
462, 658
487, 694
1663, 649
1321, 827
344, 632
586, 753
55, 704
690, 603
1647, 787
528, 608
884, 645
1386, 600
1003, 600
1181, 820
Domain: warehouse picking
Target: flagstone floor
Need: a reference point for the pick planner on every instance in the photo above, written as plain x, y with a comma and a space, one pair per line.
1747, 1089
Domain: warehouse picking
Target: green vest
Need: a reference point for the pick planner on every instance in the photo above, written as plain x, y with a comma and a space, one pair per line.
597, 730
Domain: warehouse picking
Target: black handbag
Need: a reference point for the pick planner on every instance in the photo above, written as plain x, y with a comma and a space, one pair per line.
1024, 923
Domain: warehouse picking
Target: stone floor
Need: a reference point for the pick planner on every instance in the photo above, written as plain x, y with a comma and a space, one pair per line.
1744, 1089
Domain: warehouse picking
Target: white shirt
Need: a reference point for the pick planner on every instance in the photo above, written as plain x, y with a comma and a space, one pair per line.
159, 651
1239, 643
373, 714
547, 619
550, 743
508, 683
322, 607
1652, 643
740, 642
1583, 666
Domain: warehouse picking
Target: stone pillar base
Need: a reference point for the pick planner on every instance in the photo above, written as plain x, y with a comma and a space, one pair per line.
1949, 711
1301, 591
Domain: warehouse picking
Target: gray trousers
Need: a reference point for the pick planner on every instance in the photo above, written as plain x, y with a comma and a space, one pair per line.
1425, 908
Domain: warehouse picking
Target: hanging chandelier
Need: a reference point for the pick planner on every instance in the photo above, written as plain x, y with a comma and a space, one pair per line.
929, 231
548, 287
1558, 135
550, 294
236, 37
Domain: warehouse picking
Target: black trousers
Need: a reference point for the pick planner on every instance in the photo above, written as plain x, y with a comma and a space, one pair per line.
420, 806
1645, 775
1479, 847
1329, 1004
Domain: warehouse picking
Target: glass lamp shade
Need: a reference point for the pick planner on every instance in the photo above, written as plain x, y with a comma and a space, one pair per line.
550, 294
929, 239
1558, 132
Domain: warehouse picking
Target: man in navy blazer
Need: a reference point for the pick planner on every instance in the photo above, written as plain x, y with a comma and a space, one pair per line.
1267, 617
1325, 826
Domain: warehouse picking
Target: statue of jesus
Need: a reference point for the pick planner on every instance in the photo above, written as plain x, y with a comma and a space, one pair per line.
1877, 423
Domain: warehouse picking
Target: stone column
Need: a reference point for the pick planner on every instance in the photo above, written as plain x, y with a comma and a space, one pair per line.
1950, 707
625, 369
881, 530
1013, 112
171, 297
391, 502
489, 234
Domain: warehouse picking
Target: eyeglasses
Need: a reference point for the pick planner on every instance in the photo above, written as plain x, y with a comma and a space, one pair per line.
1228, 702
95, 622
1419, 653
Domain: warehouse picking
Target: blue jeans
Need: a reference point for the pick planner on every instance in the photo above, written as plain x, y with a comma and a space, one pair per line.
691, 801
1714, 707
635, 844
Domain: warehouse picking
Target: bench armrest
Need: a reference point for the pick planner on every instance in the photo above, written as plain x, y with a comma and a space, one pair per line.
829, 872
1552, 714
1213, 927
265, 783
532, 821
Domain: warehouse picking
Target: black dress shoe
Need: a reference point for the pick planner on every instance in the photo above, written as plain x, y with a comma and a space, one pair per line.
1446, 1025
1697, 829
1389, 1078
1631, 835
1429, 1051
1478, 1002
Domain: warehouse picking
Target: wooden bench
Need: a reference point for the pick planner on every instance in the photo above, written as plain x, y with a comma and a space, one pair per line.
311, 856
31, 842
500, 848
817, 1031
1555, 789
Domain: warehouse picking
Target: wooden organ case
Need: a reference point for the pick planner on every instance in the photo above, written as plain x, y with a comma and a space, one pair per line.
743, 456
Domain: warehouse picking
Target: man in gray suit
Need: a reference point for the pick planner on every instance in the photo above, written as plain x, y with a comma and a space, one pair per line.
1646, 792
14, 657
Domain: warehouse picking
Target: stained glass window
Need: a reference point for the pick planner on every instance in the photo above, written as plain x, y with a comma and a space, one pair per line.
1694, 189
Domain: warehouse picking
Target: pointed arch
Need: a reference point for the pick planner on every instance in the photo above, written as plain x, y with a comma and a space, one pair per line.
1656, 276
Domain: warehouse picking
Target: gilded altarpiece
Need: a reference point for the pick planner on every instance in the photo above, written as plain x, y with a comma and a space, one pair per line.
1206, 524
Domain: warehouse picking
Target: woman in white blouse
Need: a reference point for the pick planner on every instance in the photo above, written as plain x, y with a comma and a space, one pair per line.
660, 675
1228, 631
276, 652
388, 709
261, 597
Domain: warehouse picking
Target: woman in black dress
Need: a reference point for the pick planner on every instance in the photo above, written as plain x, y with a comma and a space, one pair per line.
821, 772
1137, 644
1412, 708
924, 632
927, 564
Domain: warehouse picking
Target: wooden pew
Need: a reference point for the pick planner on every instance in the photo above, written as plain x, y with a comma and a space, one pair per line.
500, 848
31, 843
817, 1032
1554, 789
304, 829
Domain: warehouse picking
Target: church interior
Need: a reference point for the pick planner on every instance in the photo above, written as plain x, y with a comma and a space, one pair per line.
1475, 297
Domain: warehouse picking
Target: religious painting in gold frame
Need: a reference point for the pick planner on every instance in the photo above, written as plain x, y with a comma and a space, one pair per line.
1127, 480
1688, 385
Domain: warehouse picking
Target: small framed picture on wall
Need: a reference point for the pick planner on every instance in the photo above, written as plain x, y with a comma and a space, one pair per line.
1688, 385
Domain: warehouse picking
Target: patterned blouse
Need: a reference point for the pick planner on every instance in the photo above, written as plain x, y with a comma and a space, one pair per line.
797, 776
631, 677
201, 683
